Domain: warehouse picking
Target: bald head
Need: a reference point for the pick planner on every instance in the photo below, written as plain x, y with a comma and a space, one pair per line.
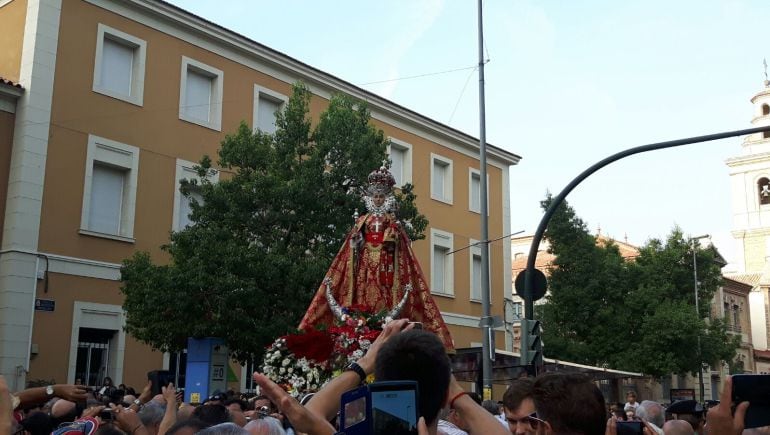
677, 427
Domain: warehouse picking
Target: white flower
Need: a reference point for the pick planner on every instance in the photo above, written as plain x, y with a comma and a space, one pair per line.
285, 362
282, 371
290, 370
388, 319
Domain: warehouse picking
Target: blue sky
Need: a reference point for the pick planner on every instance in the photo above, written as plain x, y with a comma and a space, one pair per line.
568, 83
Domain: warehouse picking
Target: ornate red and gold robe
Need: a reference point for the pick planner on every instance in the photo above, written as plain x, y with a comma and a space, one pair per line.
371, 269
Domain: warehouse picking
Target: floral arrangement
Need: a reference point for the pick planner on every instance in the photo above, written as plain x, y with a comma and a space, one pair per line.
304, 362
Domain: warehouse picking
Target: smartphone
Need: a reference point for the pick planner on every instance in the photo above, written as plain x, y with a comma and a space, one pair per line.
394, 407
159, 378
756, 390
355, 412
417, 325
630, 428
106, 415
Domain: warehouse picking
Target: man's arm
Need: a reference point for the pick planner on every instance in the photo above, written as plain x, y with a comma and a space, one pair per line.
32, 397
300, 417
479, 419
326, 402
6, 408
169, 418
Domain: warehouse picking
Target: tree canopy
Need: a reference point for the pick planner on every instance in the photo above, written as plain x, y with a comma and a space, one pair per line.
263, 236
637, 314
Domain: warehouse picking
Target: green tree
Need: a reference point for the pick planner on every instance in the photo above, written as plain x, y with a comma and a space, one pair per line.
635, 314
264, 235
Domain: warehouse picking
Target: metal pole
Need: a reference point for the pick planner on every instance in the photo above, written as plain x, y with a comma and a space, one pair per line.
558, 199
487, 322
697, 311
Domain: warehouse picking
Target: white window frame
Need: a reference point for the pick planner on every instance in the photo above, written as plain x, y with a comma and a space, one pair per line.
215, 108
448, 184
137, 67
261, 92
446, 240
471, 172
185, 171
101, 316
474, 250
407, 149
119, 155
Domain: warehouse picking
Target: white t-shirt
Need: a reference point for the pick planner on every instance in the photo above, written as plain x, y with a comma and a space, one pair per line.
631, 406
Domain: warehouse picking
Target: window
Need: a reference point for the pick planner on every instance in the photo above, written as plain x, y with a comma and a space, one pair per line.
442, 264
441, 179
474, 191
182, 208
119, 65
266, 103
475, 285
200, 95
400, 154
765, 109
763, 188
106, 199
109, 194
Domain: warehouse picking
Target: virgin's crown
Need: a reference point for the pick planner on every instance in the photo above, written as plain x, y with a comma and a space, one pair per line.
381, 180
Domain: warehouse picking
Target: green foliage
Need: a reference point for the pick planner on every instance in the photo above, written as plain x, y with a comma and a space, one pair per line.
265, 234
636, 315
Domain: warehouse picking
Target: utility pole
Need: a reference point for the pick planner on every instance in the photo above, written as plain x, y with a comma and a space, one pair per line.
487, 322
697, 309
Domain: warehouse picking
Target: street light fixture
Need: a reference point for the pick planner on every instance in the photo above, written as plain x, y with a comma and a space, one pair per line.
693, 241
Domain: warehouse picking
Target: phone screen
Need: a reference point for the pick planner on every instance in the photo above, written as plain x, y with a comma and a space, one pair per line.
394, 411
756, 390
630, 428
355, 412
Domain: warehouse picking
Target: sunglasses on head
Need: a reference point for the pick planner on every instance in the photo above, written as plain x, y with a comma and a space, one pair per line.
530, 420
534, 421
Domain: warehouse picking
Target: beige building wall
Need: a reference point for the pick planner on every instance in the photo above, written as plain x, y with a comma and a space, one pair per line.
12, 19
6, 142
83, 267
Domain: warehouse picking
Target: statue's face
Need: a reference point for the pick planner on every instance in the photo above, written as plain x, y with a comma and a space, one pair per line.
379, 199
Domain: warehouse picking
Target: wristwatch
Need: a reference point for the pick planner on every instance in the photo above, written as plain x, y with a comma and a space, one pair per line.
49, 391
354, 367
138, 402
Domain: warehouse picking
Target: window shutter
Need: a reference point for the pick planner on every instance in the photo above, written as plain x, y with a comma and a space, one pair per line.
117, 66
266, 114
198, 96
397, 164
106, 199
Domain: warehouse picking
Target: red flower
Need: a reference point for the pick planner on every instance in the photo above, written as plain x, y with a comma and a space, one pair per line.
370, 335
314, 345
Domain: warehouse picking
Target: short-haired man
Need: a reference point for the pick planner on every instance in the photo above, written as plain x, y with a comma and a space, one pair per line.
568, 404
652, 413
518, 406
677, 427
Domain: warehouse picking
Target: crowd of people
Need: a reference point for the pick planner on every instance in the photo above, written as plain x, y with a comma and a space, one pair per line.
553, 403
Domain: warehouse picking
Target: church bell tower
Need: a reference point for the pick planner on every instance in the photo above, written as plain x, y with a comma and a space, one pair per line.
750, 190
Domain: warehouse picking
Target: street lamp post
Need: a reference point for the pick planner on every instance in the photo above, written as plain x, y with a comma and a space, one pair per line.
693, 240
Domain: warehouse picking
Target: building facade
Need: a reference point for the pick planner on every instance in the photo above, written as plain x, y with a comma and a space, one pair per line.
118, 100
750, 191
